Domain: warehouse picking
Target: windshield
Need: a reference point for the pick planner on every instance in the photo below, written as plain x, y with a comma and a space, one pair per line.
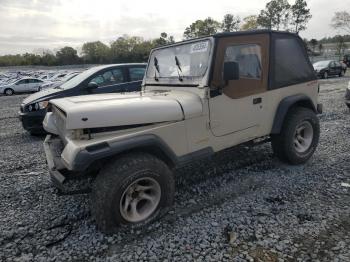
321, 64
79, 78
181, 61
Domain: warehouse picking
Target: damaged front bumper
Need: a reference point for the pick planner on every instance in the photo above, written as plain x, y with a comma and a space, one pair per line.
53, 148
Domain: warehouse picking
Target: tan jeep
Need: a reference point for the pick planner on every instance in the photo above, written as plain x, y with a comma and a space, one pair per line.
199, 97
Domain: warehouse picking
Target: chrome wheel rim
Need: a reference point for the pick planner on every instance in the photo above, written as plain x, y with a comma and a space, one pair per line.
140, 199
303, 137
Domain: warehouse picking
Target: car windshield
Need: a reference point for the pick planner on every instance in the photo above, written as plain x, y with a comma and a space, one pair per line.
181, 61
321, 64
79, 78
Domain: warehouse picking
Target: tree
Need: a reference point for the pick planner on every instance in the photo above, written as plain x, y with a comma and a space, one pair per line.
320, 48
313, 44
341, 20
250, 23
300, 15
48, 59
202, 28
67, 56
230, 23
341, 46
275, 15
163, 40
95, 52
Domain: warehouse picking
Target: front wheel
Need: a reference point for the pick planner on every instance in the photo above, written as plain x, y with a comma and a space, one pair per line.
9, 92
341, 74
325, 75
133, 190
298, 138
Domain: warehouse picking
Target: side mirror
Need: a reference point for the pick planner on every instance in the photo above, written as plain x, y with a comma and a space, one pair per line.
92, 85
231, 71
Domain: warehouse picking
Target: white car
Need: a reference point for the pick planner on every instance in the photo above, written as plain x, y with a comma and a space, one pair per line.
23, 85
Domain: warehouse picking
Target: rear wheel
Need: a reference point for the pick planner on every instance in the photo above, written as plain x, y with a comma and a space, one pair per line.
9, 92
298, 138
133, 190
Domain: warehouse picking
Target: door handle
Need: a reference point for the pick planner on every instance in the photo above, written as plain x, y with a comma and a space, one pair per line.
257, 100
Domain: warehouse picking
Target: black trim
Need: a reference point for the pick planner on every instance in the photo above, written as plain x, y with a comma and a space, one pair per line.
283, 108
112, 128
214, 91
144, 142
84, 158
197, 155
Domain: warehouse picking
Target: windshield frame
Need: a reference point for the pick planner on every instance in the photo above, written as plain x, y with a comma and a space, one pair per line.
192, 81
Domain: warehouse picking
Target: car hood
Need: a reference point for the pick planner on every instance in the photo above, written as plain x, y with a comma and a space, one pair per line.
319, 67
41, 96
108, 110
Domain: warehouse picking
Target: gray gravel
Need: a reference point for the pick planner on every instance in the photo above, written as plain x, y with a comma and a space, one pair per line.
241, 205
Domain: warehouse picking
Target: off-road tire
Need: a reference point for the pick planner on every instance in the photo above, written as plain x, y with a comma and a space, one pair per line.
283, 143
114, 179
9, 92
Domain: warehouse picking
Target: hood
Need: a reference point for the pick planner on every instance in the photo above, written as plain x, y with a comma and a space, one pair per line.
107, 110
41, 96
319, 67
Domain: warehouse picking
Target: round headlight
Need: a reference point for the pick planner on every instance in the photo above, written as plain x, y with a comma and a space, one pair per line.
36, 106
30, 108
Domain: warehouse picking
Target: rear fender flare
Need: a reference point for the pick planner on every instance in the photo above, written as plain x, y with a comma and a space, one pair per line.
286, 104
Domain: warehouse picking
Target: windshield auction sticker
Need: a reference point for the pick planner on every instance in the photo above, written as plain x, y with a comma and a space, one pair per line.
199, 47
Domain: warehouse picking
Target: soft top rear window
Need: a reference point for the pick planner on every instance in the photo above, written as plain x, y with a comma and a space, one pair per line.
290, 62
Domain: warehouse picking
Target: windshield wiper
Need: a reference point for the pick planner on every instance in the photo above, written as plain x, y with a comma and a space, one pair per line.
156, 65
179, 68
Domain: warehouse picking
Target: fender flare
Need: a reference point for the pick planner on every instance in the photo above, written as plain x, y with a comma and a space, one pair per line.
285, 105
104, 150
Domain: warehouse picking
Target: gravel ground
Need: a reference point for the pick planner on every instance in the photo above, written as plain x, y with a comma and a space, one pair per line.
242, 205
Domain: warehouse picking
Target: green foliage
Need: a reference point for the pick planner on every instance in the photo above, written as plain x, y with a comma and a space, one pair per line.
67, 56
230, 23
341, 46
300, 15
250, 23
96, 53
200, 28
341, 20
334, 39
275, 15
123, 50
313, 43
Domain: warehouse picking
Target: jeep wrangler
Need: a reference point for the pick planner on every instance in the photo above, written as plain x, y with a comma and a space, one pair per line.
198, 97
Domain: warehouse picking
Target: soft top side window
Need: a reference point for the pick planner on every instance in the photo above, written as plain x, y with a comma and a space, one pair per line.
290, 69
248, 57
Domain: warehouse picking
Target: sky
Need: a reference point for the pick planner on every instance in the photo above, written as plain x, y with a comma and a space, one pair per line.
33, 25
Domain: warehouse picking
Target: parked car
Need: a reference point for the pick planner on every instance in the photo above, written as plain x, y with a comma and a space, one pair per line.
199, 97
53, 84
327, 68
24, 85
96, 80
347, 96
